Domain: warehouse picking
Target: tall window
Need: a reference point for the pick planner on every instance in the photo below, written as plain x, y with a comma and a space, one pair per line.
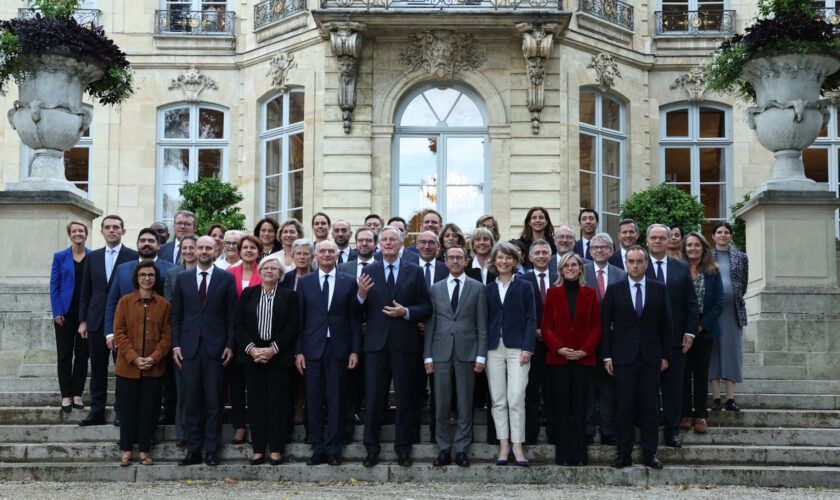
196, 16
192, 144
77, 161
602, 150
441, 156
822, 159
695, 142
282, 156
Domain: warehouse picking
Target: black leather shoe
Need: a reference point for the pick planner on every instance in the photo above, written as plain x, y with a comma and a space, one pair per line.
621, 462
116, 420
653, 462
190, 459
211, 459
93, 419
78, 406
370, 461
461, 459
731, 406
404, 461
66, 408
608, 439
590, 438
166, 420
444, 458
258, 461
673, 441
317, 459
275, 461
716, 405
334, 460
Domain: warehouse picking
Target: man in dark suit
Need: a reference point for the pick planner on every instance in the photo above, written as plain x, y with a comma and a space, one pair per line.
203, 314
184, 224
455, 347
97, 277
601, 275
676, 276
588, 220
395, 299
541, 277
162, 232
636, 345
341, 234
628, 235
432, 221
329, 342
147, 247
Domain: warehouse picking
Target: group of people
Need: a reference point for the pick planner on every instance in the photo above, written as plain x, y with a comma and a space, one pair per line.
575, 334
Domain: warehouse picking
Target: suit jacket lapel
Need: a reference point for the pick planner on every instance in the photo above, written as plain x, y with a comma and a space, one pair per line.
465, 291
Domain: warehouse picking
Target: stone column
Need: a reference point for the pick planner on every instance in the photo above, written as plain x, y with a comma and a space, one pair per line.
346, 46
537, 42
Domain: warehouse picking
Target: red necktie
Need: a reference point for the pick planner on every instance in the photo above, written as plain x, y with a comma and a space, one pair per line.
202, 289
601, 282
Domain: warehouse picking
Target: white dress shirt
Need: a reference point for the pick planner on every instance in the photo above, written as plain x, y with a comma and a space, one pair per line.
664, 266
503, 288
360, 263
422, 263
343, 254
477, 265
198, 272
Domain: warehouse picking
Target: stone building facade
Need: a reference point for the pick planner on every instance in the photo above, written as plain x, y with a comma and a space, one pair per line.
469, 106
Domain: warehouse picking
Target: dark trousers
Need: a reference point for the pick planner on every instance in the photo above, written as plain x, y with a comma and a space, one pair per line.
169, 391
137, 397
404, 374
99, 359
235, 388
423, 381
637, 387
696, 379
571, 384
203, 376
325, 382
538, 388
600, 402
268, 399
672, 391
355, 394
72, 351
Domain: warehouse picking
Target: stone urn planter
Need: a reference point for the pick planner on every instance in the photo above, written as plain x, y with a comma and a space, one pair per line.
789, 113
49, 117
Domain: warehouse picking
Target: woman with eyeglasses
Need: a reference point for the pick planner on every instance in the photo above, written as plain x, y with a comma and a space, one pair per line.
230, 246
143, 335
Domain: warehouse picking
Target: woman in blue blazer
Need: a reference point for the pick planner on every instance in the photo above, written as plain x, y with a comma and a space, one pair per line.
511, 338
65, 286
709, 289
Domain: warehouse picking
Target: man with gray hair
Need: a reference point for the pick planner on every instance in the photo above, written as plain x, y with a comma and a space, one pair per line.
185, 223
601, 274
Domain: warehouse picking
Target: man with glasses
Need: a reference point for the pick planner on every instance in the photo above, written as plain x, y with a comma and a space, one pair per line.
564, 240
184, 224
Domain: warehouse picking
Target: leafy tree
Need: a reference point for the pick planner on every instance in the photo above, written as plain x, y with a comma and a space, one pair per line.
663, 204
739, 227
213, 201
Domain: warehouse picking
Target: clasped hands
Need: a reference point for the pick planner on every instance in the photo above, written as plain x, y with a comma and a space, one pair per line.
571, 354
144, 363
261, 355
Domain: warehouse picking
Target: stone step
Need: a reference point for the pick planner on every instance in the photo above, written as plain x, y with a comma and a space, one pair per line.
479, 452
71, 433
750, 359
781, 386
637, 475
29, 370
775, 372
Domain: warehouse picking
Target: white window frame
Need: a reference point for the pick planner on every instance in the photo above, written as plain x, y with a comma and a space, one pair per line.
283, 133
694, 142
192, 143
195, 5
831, 143
442, 134
598, 132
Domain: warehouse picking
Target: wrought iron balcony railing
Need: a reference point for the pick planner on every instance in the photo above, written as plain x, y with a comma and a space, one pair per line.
695, 22
614, 11
443, 5
271, 11
831, 16
85, 17
194, 22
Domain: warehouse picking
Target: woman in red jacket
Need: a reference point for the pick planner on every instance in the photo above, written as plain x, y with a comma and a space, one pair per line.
571, 329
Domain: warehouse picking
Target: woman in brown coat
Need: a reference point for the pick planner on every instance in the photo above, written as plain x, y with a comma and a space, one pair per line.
143, 335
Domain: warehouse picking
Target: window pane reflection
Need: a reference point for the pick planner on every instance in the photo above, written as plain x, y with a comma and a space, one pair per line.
418, 160
210, 163
610, 114
441, 101
418, 114
465, 160
816, 164
712, 167
712, 123
678, 165
611, 162
295, 107
274, 113
676, 123
176, 123
464, 205
587, 108
211, 124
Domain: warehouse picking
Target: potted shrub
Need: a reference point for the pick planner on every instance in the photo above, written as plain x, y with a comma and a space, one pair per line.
782, 63
54, 60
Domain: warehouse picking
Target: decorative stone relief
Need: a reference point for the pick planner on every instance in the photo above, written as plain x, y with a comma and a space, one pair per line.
606, 70
192, 83
346, 46
442, 53
537, 42
693, 82
279, 70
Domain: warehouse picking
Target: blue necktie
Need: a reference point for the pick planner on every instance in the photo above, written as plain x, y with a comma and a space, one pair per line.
428, 275
659, 276
341, 257
326, 291
390, 282
455, 292
639, 305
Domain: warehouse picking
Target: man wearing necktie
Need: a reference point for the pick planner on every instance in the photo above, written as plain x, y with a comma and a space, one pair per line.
183, 225
394, 297
636, 346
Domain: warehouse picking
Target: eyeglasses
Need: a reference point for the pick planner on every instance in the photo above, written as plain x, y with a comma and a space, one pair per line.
427, 242
145, 276
364, 240
455, 258
598, 248
564, 237
184, 224
231, 244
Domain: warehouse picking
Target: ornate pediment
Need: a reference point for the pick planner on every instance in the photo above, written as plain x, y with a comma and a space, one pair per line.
279, 70
606, 70
192, 83
442, 53
693, 82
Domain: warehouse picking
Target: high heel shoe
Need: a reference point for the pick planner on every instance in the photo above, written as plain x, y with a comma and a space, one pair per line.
509, 459
67, 408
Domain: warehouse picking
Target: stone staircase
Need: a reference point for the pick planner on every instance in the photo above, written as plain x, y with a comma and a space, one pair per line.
788, 435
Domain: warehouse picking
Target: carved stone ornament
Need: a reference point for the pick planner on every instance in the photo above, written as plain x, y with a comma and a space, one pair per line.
442, 53
192, 83
606, 70
693, 82
537, 42
346, 46
279, 70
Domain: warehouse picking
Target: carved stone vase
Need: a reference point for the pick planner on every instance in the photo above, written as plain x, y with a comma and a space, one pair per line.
789, 113
49, 117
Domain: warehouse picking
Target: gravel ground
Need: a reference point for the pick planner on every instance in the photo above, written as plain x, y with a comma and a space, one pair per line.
367, 491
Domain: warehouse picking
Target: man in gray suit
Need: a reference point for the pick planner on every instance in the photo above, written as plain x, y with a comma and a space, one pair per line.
601, 275
455, 343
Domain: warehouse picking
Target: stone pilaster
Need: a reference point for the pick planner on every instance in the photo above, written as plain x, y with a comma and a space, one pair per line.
537, 42
346, 46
